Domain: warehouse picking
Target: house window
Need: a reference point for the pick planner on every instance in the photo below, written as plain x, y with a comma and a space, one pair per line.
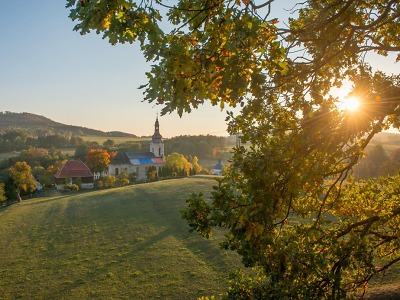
116, 171
159, 151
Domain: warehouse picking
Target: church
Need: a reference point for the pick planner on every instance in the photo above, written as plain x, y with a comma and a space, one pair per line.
139, 162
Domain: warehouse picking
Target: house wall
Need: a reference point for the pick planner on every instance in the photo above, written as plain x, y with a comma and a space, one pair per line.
141, 170
118, 169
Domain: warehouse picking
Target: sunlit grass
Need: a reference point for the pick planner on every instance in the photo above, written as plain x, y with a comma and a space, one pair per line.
121, 243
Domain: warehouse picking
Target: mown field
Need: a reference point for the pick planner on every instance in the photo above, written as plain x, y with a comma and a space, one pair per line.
124, 243
7, 155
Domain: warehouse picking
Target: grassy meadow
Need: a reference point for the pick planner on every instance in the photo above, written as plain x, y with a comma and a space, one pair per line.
123, 243
7, 155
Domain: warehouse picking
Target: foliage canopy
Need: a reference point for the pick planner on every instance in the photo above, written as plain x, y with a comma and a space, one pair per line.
290, 208
2, 192
22, 177
97, 160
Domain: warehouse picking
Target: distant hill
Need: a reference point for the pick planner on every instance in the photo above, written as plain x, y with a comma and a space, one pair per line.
40, 125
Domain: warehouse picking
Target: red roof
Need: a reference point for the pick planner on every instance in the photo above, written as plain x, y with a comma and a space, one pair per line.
158, 160
73, 169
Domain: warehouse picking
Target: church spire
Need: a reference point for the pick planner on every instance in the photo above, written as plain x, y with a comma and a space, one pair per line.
157, 145
157, 136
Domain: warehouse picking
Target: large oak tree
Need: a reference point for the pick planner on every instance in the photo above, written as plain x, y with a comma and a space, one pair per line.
291, 209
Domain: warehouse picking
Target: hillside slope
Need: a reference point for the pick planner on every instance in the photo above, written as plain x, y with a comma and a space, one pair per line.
28, 121
124, 243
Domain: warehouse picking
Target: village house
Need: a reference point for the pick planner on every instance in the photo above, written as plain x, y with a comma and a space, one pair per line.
139, 162
218, 169
72, 170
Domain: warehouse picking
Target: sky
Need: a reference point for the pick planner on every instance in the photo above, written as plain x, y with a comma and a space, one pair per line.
48, 69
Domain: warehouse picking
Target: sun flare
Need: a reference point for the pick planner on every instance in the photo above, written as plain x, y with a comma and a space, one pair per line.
351, 103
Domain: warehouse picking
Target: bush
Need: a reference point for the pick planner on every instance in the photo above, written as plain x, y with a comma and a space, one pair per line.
71, 187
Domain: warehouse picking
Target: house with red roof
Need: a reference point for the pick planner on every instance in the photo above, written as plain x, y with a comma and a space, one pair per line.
71, 170
139, 162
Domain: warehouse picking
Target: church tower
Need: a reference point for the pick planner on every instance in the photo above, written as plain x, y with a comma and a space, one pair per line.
157, 144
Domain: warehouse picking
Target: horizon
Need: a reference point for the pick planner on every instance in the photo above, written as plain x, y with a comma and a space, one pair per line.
151, 131
48, 69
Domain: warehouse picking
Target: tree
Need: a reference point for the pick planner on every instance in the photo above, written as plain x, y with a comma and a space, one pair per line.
375, 163
97, 160
22, 178
109, 144
108, 181
152, 173
291, 210
81, 152
177, 162
2, 192
123, 179
196, 165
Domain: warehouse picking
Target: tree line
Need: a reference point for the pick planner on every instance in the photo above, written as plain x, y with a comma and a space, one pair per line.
203, 146
20, 140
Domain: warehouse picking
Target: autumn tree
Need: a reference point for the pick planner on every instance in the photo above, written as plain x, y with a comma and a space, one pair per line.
2, 192
97, 160
290, 208
195, 164
177, 162
108, 181
122, 179
22, 177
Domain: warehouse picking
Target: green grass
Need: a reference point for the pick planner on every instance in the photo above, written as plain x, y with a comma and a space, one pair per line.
124, 243
7, 155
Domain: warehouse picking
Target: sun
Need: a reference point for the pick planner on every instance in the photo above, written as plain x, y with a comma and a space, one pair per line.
351, 103
347, 100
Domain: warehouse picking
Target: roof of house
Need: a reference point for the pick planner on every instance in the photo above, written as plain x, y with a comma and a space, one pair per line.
120, 159
136, 158
137, 155
219, 166
73, 169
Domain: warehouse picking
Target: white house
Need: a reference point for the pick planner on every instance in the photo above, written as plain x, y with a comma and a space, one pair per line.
218, 169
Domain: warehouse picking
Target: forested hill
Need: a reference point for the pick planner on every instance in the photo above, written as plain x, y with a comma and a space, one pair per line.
40, 125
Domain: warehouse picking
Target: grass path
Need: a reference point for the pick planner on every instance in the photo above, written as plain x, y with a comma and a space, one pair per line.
125, 243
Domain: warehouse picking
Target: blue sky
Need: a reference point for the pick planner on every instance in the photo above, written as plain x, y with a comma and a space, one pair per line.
48, 69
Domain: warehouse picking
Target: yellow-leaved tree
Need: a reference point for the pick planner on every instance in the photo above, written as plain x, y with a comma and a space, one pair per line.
22, 177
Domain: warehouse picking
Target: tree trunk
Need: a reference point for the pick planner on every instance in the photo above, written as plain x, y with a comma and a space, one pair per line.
19, 195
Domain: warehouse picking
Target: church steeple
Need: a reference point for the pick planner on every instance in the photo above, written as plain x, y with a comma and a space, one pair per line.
156, 136
157, 145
